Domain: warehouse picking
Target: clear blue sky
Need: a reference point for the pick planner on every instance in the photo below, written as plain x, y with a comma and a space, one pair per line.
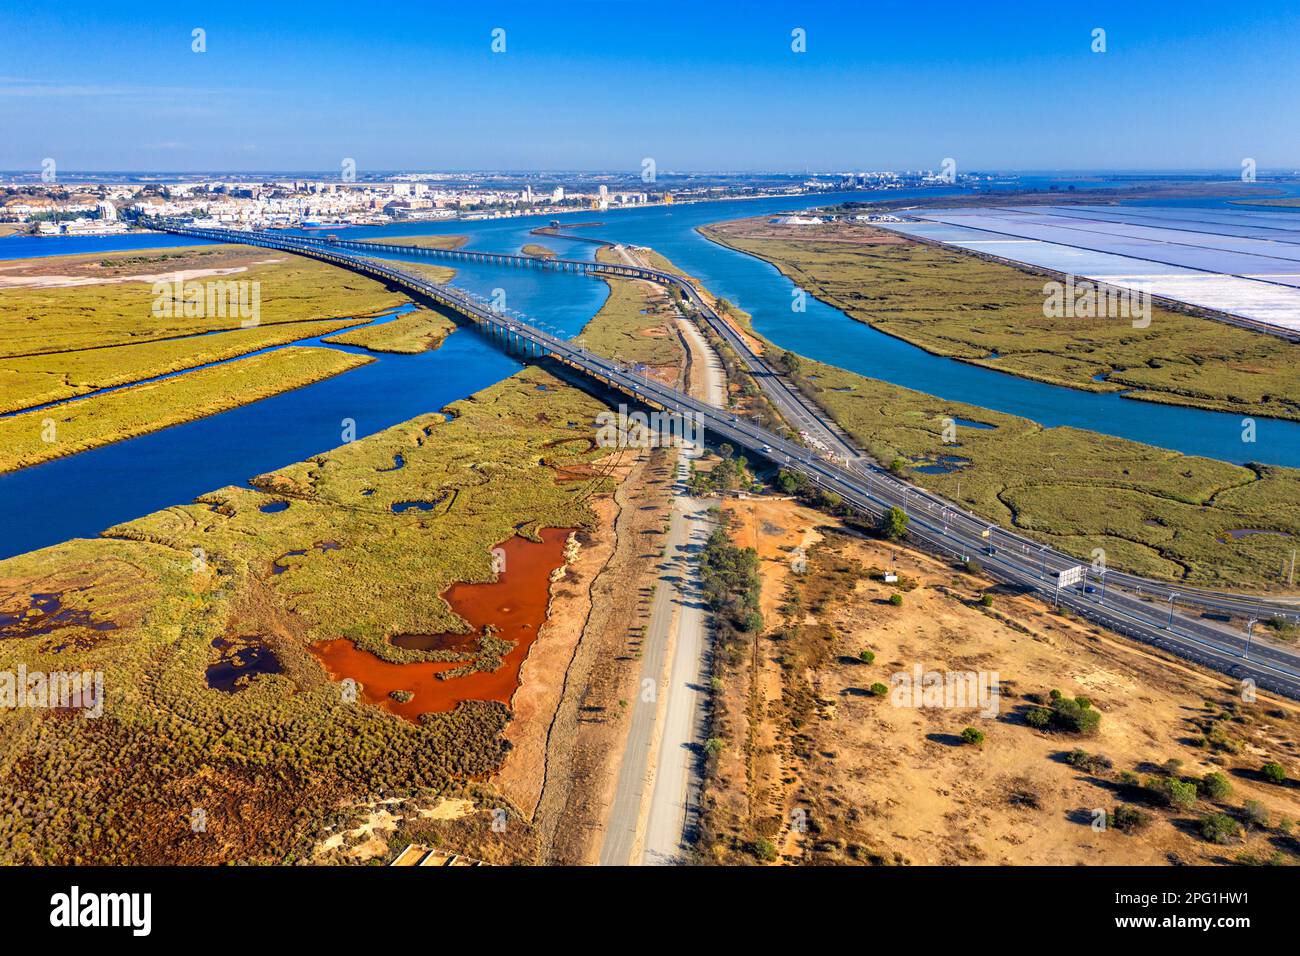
600, 85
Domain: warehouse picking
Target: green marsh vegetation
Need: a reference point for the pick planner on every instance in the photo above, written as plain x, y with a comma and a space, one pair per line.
410, 334
29, 438
635, 323
270, 762
1153, 511
44, 321
991, 314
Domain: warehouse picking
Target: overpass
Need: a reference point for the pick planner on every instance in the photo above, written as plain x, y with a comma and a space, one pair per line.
1142, 609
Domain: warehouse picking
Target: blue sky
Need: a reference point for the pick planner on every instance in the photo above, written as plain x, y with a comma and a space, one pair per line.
601, 85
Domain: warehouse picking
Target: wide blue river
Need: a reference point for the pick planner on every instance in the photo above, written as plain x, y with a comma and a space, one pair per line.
83, 494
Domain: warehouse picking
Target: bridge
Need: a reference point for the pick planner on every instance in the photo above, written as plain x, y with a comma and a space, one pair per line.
1139, 608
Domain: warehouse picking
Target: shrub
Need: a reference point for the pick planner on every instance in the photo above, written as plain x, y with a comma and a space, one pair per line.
1085, 761
973, 736
1038, 717
1273, 772
896, 600
973, 566
764, 850
1216, 786
1128, 819
713, 746
986, 600
1182, 793
1069, 715
1170, 792
1219, 828
879, 689
867, 657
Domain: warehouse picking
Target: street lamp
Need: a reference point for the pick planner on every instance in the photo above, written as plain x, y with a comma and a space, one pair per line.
1250, 629
1173, 596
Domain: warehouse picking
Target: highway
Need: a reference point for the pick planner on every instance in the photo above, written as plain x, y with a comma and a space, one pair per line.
1153, 612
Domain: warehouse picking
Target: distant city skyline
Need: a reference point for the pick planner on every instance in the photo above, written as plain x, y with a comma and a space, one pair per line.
601, 87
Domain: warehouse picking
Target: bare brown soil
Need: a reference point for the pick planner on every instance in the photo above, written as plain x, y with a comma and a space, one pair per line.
827, 772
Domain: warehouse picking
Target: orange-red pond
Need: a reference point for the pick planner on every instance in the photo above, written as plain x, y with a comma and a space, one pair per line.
515, 604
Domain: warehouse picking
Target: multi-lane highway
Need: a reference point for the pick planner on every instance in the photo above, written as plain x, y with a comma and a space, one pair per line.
1157, 613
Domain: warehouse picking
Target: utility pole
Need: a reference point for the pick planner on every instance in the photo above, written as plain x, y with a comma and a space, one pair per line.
1169, 625
1250, 628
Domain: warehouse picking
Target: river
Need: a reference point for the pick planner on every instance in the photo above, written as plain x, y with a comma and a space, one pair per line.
81, 495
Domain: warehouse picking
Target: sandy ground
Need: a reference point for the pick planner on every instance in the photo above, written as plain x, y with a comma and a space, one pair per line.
58, 281
589, 728
859, 779
542, 675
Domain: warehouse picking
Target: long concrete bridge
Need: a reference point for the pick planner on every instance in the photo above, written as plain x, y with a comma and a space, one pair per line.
1137, 607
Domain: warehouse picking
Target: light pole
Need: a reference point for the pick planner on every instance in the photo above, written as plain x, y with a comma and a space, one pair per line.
1250, 629
1169, 625
1102, 597
1042, 562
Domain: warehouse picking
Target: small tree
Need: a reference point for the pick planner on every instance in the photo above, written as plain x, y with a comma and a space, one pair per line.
1219, 828
1273, 772
893, 524
1216, 786
867, 657
896, 599
986, 600
879, 690
973, 736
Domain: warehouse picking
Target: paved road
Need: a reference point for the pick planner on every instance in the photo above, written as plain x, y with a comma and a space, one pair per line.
657, 703
934, 523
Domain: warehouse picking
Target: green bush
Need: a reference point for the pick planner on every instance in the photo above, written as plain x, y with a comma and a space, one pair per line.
1038, 717
986, 600
867, 657
879, 690
896, 600
1128, 819
1216, 786
972, 736
1273, 772
764, 850
1070, 715
1171, 792
1219, 828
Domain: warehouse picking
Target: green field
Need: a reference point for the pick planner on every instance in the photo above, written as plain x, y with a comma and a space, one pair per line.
635, 323
42, 321
271, 762
1154, 512
986, 313
29, 438
419, 331
37, 379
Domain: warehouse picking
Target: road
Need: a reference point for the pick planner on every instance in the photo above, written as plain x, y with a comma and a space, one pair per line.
935, 524
659, 831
